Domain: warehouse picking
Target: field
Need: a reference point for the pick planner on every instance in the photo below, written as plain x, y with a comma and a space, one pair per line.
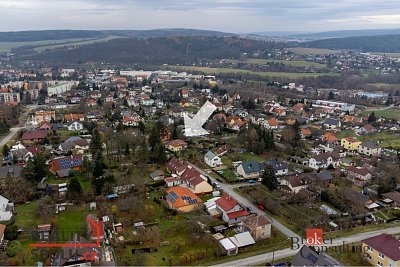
7, 46
311, 51
392, 113
217, 71
52, 44
75, 43
293, 63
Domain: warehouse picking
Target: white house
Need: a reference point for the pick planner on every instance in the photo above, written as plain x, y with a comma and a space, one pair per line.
212, 159
321, 161
75, 126
6, 209
369, 148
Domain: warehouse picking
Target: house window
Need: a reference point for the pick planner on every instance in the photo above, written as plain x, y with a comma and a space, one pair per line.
381, 255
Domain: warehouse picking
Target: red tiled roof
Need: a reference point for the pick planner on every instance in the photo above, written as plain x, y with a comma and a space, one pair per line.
385, 244
236, 214
360, 171
38, 134
226, 202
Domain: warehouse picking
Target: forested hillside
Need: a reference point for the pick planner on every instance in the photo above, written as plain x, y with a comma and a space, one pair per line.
163, 50
380, 43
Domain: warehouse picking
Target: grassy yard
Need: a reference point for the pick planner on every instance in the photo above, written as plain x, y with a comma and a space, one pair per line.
359, 229
385, 139
392, 113
25, 215
217, 71
350, 257
229, 175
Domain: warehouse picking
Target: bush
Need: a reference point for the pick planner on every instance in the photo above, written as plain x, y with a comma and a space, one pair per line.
13, 248
11, 232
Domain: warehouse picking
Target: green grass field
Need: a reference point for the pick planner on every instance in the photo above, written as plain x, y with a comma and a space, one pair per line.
53, 44
76, 43
393, 113
293, 63
7, 46
311, 51
217, 71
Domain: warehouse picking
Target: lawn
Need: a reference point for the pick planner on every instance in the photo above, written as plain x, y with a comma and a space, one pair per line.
384, 139
349, 257
359, 229
72, 221
346, 133
392, 113
248, 156
229, 175
311, 51
25, 215
263, 74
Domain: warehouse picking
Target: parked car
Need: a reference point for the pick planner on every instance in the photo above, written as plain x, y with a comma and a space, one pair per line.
252, 181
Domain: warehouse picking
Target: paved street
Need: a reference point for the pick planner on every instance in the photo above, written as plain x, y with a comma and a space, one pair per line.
230, 190
13, 131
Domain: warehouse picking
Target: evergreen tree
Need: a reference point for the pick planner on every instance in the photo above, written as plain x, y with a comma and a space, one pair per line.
6, 151
28, 172
96, 144
269, 178
39, 161
74, 188
144, 152
372, 117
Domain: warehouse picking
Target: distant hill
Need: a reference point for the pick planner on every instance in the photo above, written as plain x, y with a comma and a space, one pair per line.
379, 43
31, 36
158, 50
344, 33
166, 33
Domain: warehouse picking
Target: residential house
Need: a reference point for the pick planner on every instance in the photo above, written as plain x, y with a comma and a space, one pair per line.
270, 124
45, 126
222, 150
369, 148
359, 175
182, 199
259, 226
366, 129
249, 169
173, 181
357, 199
31, 137
280, 168
350, 143
176, 145
75, 126
392, 198
293, 184
62, 166
321, 161
195, 181
74, 117
332, 124
381, 250
305, 132
157, 175
212, 159
6, 209
324, 179
232, 212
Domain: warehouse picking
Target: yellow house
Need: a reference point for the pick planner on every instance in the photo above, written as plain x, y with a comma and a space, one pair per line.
350, 143
381, 250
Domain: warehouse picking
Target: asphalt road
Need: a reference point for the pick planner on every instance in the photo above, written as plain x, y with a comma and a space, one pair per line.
13, 131
285, 253
244, 201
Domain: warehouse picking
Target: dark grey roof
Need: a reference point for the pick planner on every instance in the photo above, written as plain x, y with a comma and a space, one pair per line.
369, 144
331, 121
276, 164
251, 166
325, 176
308, 257
13, 170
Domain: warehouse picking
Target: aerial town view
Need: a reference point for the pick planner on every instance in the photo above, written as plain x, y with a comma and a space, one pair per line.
199, 133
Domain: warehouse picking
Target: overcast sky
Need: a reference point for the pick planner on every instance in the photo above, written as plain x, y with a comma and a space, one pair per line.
222, 15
